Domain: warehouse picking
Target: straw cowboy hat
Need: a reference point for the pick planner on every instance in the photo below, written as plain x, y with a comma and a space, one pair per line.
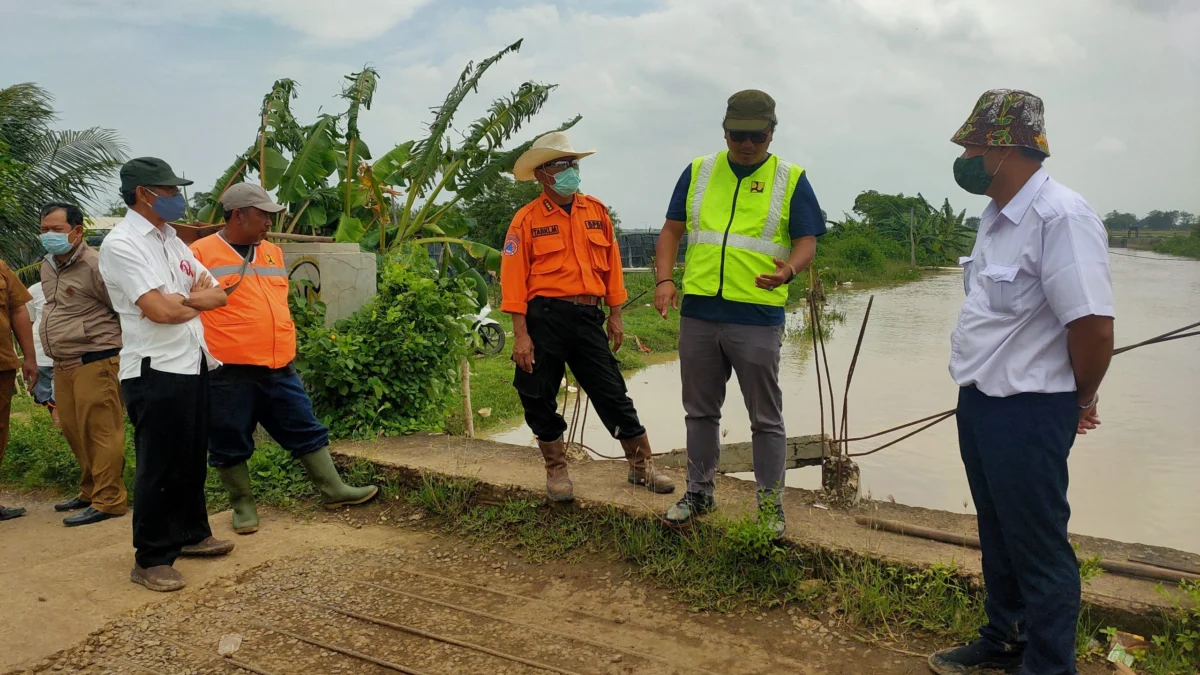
548, 148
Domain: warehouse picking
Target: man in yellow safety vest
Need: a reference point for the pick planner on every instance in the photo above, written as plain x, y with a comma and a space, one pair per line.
752, 223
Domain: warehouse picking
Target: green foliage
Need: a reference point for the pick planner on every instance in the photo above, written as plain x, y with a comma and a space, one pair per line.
1115, 221
1176, 650
39, 164
934, 236
493, 209
391, 367
1188, 246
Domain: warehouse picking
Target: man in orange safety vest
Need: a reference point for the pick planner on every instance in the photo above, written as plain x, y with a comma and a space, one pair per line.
254, 338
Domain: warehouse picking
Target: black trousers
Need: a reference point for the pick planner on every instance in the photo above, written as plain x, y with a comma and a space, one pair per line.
566, 334
1015, 452
170, 423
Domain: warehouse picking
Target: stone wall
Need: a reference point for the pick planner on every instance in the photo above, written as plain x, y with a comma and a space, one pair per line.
342, 275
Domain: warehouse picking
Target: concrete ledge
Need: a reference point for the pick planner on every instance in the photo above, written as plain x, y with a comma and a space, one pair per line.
1132, 604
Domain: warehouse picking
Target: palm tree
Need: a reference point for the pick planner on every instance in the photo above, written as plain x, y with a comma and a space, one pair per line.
39, 165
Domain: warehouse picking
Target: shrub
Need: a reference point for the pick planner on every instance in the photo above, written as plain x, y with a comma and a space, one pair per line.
390, 368
861, 253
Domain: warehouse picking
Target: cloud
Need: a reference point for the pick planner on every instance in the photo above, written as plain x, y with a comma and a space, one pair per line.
327, 22
869, 91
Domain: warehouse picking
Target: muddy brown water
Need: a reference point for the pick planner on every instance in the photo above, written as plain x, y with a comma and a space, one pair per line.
1135, 479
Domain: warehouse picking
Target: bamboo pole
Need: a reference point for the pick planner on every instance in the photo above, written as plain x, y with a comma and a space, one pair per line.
466, 394
1127, 569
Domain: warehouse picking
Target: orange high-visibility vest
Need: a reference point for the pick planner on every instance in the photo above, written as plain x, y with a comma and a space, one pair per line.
255, 328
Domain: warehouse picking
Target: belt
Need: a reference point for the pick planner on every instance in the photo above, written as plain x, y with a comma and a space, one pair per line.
92, 357
590, 300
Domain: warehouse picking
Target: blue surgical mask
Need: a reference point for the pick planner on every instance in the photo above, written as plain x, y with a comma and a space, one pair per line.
56, 243
566, 182
171, 208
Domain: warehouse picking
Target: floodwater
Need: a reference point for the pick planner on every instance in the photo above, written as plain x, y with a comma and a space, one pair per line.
1135, 479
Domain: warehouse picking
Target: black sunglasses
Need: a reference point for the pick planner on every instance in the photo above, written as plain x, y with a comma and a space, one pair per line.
560, 164
741, 136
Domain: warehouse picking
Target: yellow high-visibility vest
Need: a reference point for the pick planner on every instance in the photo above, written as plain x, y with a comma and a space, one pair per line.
736, 227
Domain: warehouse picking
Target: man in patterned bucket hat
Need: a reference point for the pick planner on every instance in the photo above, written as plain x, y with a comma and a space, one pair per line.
1032, 344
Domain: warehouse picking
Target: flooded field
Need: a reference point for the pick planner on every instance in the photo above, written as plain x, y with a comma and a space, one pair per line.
1136, 479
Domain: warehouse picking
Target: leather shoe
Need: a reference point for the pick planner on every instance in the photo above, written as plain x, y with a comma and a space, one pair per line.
161, 578
73, 504
88, 516
209, 547
7, 513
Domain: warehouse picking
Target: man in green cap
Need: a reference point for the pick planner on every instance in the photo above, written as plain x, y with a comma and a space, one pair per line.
752, 223
1032, 344
159, 289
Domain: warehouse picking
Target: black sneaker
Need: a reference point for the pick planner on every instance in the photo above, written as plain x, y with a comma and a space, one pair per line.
693, 504
979, 656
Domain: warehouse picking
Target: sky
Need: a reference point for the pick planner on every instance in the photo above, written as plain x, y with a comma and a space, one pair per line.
868, 91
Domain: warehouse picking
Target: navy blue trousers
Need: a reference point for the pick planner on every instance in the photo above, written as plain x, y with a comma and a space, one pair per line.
243, 397
1015, 452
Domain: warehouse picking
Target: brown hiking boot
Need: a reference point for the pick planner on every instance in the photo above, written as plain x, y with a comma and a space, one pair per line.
558, 483
161, 578
641, 466
209, 547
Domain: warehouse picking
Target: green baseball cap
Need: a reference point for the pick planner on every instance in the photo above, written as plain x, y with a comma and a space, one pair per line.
750, 110
148, 171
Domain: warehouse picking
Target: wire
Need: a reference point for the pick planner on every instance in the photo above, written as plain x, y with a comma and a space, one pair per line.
1146, 257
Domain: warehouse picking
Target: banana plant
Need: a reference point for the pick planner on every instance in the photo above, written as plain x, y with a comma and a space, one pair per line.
325, 173
278, 132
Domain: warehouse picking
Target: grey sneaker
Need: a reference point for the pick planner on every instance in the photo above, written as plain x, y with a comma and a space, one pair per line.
693, 504
770, 512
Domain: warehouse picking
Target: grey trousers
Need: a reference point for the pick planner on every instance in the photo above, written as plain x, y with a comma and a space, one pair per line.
708, 353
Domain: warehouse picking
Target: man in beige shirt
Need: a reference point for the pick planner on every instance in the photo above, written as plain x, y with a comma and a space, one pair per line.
82, 334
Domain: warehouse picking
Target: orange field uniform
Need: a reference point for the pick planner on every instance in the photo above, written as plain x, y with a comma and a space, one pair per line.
554, 254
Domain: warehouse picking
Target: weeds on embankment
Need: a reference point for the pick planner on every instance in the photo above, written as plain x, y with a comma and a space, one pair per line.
735, 564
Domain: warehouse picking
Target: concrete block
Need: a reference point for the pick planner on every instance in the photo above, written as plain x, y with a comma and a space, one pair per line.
342, 275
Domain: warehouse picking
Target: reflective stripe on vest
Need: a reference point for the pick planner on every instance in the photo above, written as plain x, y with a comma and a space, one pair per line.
255, 327
730, 242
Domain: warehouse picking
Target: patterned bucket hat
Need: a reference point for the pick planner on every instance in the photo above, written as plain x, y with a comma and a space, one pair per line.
1005, 117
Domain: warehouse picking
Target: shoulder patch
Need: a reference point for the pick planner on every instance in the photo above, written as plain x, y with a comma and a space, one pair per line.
511, 242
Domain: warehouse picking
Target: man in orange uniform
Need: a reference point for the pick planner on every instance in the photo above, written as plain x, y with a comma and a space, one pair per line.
560, 263
254, 338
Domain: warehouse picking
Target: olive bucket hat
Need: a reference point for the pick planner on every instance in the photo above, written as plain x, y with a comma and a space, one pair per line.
1005, 117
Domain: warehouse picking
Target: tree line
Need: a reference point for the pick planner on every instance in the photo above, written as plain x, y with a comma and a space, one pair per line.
1159, 221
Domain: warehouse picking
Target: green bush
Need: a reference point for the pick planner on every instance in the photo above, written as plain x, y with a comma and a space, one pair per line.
391, 367
859, 252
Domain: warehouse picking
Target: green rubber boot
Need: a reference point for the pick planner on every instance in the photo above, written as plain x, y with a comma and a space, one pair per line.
237, 481
334, 492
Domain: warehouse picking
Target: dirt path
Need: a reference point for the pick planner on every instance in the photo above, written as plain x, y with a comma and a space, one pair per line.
350, 593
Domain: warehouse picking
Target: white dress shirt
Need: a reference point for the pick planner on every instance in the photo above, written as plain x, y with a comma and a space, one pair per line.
1038, 264
136, 258
35, 312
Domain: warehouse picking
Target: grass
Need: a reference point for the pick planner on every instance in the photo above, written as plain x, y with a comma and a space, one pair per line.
1187, 246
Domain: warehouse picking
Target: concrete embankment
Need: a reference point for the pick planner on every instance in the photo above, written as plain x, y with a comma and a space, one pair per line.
509, 470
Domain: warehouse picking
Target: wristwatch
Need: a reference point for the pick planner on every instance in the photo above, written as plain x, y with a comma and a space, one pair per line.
1090, 404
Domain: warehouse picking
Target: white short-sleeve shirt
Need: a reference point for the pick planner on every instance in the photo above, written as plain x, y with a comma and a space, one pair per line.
36, 305
136, 258
1038, 264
